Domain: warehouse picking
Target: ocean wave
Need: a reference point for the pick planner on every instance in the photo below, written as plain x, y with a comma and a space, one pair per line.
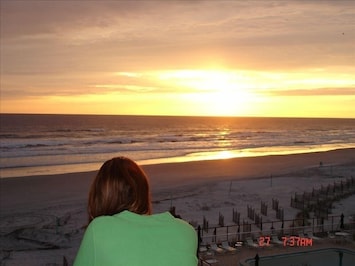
90, 139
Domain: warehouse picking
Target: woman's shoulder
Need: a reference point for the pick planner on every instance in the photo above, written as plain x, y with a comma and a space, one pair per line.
121, 217
165, 219
100, 221
180, 223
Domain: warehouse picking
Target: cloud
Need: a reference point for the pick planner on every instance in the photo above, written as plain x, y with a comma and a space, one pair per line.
119, 88
350, 91
73, 45
40, 17
188, 20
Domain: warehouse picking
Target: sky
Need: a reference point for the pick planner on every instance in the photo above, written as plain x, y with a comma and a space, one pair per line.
285, 58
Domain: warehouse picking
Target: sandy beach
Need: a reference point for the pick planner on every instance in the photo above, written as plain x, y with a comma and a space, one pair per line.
43, 217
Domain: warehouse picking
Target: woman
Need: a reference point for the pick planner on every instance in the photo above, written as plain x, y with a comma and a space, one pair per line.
122, 230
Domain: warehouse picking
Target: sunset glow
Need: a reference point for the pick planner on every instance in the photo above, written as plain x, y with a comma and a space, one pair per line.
232, 59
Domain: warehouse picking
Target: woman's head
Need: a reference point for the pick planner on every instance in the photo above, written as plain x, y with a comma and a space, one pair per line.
119, 185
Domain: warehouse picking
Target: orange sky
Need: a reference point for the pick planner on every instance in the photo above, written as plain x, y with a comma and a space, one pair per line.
240, 58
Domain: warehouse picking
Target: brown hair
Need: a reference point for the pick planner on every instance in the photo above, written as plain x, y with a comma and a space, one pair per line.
119, 185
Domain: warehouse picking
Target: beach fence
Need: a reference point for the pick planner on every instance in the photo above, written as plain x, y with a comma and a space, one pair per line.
246, 229
314, 217
318, 202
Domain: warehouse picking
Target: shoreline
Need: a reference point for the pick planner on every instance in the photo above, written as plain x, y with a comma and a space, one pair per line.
44, 190
59, 169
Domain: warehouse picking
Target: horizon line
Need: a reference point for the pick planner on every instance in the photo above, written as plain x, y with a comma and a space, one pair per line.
172, 115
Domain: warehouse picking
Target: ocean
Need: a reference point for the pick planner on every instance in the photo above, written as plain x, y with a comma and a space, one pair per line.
53, 144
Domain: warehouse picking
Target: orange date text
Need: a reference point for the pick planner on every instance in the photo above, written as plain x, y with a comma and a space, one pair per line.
296, 241
287, 241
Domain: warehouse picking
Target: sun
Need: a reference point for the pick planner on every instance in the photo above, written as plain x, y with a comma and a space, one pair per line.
215, 92
227, 93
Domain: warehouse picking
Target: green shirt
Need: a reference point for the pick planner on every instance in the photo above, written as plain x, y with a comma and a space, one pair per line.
129, 239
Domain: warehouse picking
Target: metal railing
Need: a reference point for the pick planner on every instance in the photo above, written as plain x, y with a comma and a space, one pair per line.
235, 232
